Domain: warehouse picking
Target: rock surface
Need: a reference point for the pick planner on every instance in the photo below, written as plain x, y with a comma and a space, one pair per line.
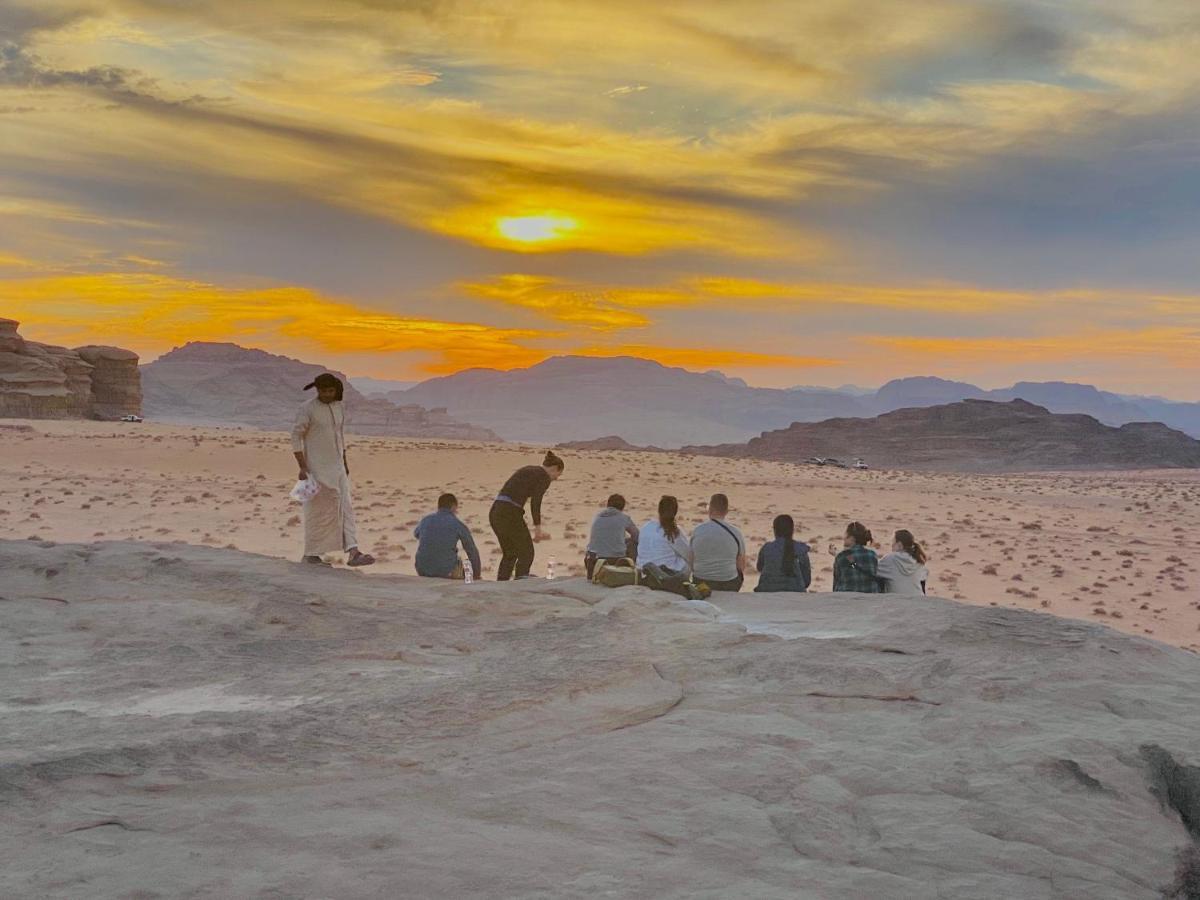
40, 381
976, 436
213, 383
116, 383
182, 721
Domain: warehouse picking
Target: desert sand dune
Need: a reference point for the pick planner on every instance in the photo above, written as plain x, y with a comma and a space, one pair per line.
1116, 547
190, 721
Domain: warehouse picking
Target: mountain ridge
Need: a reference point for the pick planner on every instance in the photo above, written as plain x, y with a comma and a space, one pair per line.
975, 435
205, 382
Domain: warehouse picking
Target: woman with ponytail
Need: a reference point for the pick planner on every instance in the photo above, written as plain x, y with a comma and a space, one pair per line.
903, 570
662, 542
783, 564
854, 568
507, 517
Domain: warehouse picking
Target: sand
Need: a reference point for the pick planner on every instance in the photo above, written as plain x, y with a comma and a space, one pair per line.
1114, 547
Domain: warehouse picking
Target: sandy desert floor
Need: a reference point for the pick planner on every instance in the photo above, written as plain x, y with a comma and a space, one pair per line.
1115, 547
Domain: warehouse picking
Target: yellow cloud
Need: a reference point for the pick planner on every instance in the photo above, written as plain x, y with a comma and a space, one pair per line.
152, 312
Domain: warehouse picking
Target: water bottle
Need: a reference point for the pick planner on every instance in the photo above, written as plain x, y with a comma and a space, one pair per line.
550, 569
468, 571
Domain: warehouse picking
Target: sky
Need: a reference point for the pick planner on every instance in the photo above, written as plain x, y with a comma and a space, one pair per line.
795, 193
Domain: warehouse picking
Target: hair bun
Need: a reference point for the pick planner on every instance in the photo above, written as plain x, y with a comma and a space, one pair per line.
552, 460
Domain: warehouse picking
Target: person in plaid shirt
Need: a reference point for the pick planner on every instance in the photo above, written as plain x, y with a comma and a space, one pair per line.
855, 566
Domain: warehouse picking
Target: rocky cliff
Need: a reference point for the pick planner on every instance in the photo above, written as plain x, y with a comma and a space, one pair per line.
328, 734
976, 436
220, 383
41, 381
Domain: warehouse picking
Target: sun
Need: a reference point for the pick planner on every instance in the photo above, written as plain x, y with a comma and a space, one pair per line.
535, 229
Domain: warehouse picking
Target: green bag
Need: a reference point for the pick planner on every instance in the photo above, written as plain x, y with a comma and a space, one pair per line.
616, 574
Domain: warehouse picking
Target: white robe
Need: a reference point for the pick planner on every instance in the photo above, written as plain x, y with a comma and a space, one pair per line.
319, 433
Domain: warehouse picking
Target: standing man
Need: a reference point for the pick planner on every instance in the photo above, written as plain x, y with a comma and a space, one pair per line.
718, 549
439, 535
319, 442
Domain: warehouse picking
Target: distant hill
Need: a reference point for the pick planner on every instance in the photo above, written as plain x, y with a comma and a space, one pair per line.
923, 391
220, 383
976, 436
380, 387
609, 442
570, 398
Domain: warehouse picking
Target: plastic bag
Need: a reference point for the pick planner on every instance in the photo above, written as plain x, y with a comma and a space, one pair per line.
305, 490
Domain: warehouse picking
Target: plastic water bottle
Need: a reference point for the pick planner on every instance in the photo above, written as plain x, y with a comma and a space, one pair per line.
468, 572
550, 569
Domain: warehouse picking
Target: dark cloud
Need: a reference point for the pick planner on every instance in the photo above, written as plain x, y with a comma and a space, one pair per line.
19, 68
19, 22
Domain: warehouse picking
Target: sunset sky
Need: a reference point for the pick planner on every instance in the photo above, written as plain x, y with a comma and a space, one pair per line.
797, 193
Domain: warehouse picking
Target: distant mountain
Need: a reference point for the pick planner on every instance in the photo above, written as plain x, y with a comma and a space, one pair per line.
976, 436
218, 383
923, 391
380, 387
609, 442
569, 398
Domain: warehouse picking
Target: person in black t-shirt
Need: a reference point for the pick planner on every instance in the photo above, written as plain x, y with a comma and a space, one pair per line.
527, 484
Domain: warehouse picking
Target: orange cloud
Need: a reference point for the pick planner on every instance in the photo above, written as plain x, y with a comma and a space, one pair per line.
153, 312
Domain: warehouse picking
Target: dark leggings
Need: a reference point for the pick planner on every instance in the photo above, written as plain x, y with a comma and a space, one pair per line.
516, 544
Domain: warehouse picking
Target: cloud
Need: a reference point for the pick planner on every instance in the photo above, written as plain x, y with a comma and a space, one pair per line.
151, 313
625, 90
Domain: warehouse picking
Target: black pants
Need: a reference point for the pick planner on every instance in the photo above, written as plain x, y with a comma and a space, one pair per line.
516, 544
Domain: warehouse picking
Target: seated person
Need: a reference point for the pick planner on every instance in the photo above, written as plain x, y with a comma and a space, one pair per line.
783, 564
614, 536
903, 570
662, 542
439, 535
854, 568
718, 549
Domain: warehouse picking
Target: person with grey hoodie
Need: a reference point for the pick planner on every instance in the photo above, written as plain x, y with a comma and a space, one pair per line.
903, 570
614, 536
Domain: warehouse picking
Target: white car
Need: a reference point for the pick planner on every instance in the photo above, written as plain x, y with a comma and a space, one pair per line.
132, 418
859, 464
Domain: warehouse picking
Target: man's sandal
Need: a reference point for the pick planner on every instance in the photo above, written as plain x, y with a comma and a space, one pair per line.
316, 561
361, 559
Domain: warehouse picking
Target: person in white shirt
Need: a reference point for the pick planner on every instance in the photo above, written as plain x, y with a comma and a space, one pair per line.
903, 570
663, 542
718, 549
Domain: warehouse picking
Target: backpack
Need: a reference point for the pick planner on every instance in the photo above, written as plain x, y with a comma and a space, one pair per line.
616, 574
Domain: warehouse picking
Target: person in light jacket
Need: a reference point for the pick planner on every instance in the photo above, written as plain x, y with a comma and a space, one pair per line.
903, 570
663, 543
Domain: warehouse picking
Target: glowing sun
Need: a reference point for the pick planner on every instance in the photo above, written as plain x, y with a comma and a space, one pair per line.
533, 229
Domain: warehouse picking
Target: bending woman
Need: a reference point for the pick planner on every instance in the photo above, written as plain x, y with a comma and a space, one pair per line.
783, 564
854, 569
527, 484
903, 570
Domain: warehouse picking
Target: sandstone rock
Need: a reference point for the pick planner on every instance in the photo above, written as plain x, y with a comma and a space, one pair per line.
116, 382
326, 734
42, 381
976, 436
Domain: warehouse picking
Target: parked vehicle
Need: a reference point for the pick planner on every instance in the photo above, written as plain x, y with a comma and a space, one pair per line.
859, 464
132, 418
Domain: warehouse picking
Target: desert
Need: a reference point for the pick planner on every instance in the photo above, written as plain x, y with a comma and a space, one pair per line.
1118, 547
